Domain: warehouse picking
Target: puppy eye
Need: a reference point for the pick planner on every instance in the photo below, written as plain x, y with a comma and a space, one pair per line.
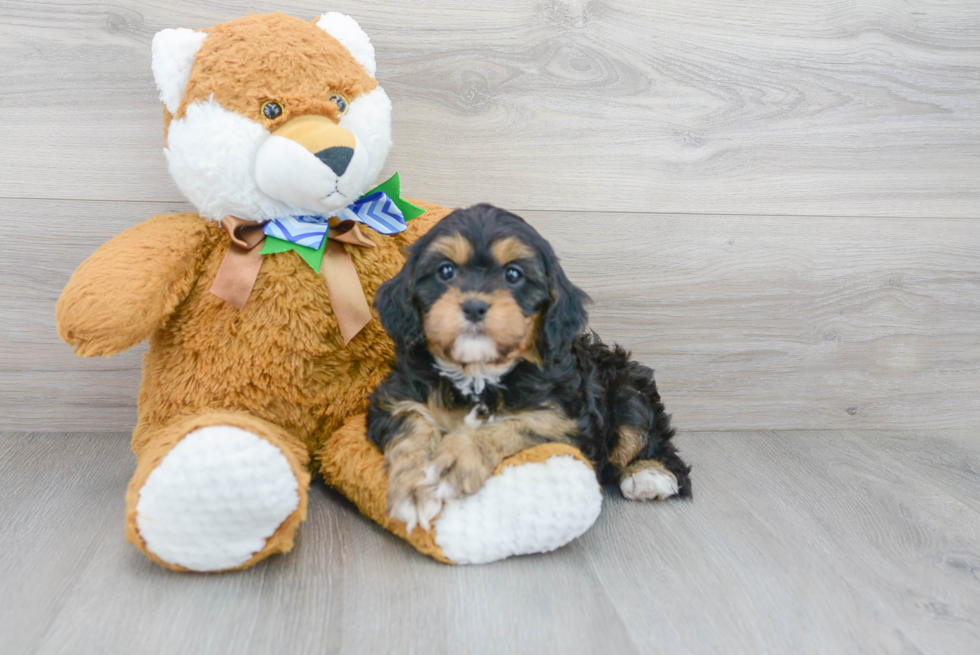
272, 110
513, 274
341, 103
446, 272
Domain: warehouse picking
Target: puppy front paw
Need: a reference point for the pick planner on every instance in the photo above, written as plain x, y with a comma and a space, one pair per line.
421, 481
459, 467
412, 496
653, 482
418, 508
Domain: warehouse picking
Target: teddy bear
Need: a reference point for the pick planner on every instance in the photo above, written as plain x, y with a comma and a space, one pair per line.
263, 346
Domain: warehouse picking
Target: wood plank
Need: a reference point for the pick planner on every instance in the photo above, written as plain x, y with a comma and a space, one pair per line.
787, 323
799, 542
40, 379
347, 587
727, 107
60, 497
286, 603
949, 459
751, 322
539, 604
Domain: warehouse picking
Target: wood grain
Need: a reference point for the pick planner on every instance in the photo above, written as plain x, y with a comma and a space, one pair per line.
751, 322
61, 497
788, 322
946, 458
736, 106
802, 542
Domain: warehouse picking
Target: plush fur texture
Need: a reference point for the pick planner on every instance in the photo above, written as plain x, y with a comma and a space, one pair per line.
492, 359
518, 516
173, 55
277, 369
280, 361
244, 62
180, 517
346, 30
218, 144
281, 358
153, 451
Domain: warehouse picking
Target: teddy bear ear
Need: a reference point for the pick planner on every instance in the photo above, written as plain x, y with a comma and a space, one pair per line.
173, 54
346, 30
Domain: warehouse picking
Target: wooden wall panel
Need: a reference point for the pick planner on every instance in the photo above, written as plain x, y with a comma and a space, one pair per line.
736, 107
751, 322
677, 153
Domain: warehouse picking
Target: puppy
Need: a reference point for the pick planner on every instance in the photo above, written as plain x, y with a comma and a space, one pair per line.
492, 358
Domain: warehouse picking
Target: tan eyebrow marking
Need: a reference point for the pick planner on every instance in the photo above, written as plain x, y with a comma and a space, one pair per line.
510, 248
454, 246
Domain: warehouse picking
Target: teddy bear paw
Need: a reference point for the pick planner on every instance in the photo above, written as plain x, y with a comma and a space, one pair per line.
215, 499
530, 508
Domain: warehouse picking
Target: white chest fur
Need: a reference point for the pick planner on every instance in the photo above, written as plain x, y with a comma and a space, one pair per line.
472, 379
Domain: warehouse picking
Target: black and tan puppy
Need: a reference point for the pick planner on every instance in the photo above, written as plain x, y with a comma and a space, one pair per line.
492, 358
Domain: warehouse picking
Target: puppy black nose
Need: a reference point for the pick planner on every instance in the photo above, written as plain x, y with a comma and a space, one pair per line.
337, 158
474, 310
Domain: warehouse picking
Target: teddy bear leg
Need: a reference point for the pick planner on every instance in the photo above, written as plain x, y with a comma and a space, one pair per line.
536, 501
216, 491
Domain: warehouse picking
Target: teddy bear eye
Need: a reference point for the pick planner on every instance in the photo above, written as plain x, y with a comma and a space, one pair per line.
340, 101
272, 110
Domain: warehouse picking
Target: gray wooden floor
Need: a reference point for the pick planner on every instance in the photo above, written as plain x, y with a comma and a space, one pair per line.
795, 542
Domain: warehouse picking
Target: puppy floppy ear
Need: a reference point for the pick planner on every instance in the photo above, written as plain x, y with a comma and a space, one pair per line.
397, 312
566, 315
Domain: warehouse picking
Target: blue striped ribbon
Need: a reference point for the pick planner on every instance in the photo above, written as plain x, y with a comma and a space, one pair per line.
377, 211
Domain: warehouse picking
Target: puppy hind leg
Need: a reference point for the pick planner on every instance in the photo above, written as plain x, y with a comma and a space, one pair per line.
648, 480
643, 457
672, 462
648, 468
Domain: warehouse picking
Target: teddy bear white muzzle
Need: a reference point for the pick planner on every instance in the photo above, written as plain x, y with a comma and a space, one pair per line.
313, 163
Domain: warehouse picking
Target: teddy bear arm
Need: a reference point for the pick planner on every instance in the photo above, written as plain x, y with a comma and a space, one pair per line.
131, 284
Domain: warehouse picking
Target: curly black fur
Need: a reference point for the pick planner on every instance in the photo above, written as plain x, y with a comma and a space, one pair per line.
597, 385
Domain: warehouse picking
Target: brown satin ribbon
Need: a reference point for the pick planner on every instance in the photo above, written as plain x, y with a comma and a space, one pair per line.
238, 271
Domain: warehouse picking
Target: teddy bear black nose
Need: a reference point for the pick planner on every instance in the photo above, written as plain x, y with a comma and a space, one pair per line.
337, 158
475, 310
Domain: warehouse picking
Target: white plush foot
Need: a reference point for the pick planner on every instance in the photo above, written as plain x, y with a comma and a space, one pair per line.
530, 508
649, 484
215, 499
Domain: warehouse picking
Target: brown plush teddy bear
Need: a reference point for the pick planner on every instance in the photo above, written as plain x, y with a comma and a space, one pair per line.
263, 347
